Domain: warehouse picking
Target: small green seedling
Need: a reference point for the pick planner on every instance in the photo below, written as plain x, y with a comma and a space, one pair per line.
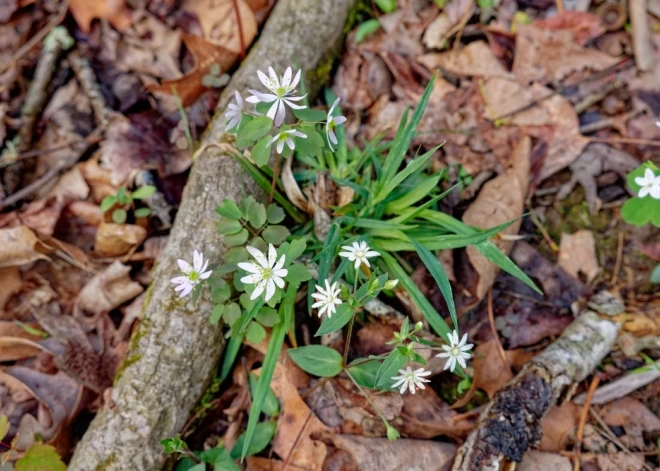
126, 200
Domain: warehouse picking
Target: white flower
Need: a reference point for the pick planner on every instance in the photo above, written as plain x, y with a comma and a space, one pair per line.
285, 138
409, 379
193, 275
281, 93
331, 123
328, 298
456, 352
265, 273
235, 113
650, 184
359, 252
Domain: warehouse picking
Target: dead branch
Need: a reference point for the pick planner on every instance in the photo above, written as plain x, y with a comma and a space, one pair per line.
174, 349
511, 423
641, 36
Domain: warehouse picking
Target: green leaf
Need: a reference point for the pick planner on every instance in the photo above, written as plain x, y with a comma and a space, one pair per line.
655, 275
232, 313
229, 226
417, 193
294, 249
387, 6
428, 311
267, 316
228, 209
231, 352
187, 464
365, 29
173, 445
144, 192
274, 214
257, 215
237, 239
236, 255
108, 202
262, 435
415, 165
275, 234
119, 216
221, 293
436, 270
338, 320
268, 367
255, 333
332, 240
308, 114
263, 107
641, 211
365, 373
123, 197
261, 151
297, 274
251, 313
40, 457
253, 131
390, 367
367, 223
224, 462
317, 360
142, 212
4, 426
271, 406
404, 138
216, 313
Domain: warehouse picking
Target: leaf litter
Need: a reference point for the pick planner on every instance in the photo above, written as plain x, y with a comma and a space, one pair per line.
546, 105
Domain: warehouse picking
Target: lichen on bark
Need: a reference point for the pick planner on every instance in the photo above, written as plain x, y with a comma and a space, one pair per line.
175, 350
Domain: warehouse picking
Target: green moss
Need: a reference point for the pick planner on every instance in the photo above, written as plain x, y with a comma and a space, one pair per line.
360, 12
125, 364
106, 463
323, 72
209, 394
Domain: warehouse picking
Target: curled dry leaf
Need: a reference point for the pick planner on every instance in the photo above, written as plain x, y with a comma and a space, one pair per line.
551, 55
292, 190
442, 27
577, 254
499, 201
114, 11
18, 246
10, 284
117, 239
559, 426
108, 290
583, 25
380, 454
17, 343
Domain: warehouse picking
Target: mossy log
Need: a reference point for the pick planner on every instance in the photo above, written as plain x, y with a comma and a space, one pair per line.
511, 423
175, 351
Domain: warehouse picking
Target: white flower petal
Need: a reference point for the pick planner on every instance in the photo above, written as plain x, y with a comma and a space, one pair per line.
184, 266
258, 256
270, 290
249, 267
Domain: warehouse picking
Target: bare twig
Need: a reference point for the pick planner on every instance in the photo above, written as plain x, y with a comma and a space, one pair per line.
619, 256
641, 35
625, 140
491, 320
583, 421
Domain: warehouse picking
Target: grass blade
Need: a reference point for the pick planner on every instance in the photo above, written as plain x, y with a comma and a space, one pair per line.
233, 347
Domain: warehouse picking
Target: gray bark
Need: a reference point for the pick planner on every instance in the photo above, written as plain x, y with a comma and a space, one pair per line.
174, 350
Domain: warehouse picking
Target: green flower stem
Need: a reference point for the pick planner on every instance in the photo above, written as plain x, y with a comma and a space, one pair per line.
371, 403
351, 322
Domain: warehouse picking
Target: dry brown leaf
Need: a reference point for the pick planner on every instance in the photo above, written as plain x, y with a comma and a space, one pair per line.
475, 59
630, 412
16, 343
117, 239
255, 463
360, 79
10, 284
559, 425
538, 460
499, 201
619, 461
71, 185
577, 254
380, 454
114, 11
437, 33
583, 25
190, 86
219, 22
108, 290
551, 55
18, 246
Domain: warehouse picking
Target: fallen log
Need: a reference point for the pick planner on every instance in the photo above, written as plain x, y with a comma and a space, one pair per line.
511, 423
174, 350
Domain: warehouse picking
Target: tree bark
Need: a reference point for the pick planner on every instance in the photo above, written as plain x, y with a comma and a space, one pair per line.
511, 423
174, 350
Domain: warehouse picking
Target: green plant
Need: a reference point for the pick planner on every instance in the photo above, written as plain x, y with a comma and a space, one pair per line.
124, 201
38, 456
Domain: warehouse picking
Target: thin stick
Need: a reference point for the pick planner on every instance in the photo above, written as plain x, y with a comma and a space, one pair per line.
583, 421
619, 256
496, 336
295, 443
625, 140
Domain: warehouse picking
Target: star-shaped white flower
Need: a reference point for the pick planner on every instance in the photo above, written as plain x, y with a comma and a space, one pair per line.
650, 184
456, 351
265, 273
285, 138
359, 252
235, 113
282, 91
328, 298
192, 275
409, 379
331, 123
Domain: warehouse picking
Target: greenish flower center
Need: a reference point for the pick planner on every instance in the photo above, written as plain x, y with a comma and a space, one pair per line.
280, 91
266, 273
332, 124
455, 351
360, 254
193, 276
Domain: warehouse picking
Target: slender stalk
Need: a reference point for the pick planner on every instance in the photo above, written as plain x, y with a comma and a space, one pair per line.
352, 321
276, 175
371, 403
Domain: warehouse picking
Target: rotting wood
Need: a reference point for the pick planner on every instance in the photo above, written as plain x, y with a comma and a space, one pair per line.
174, 348
511, 423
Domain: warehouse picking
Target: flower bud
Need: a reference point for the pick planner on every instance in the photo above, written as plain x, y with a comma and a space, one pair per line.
391, 284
